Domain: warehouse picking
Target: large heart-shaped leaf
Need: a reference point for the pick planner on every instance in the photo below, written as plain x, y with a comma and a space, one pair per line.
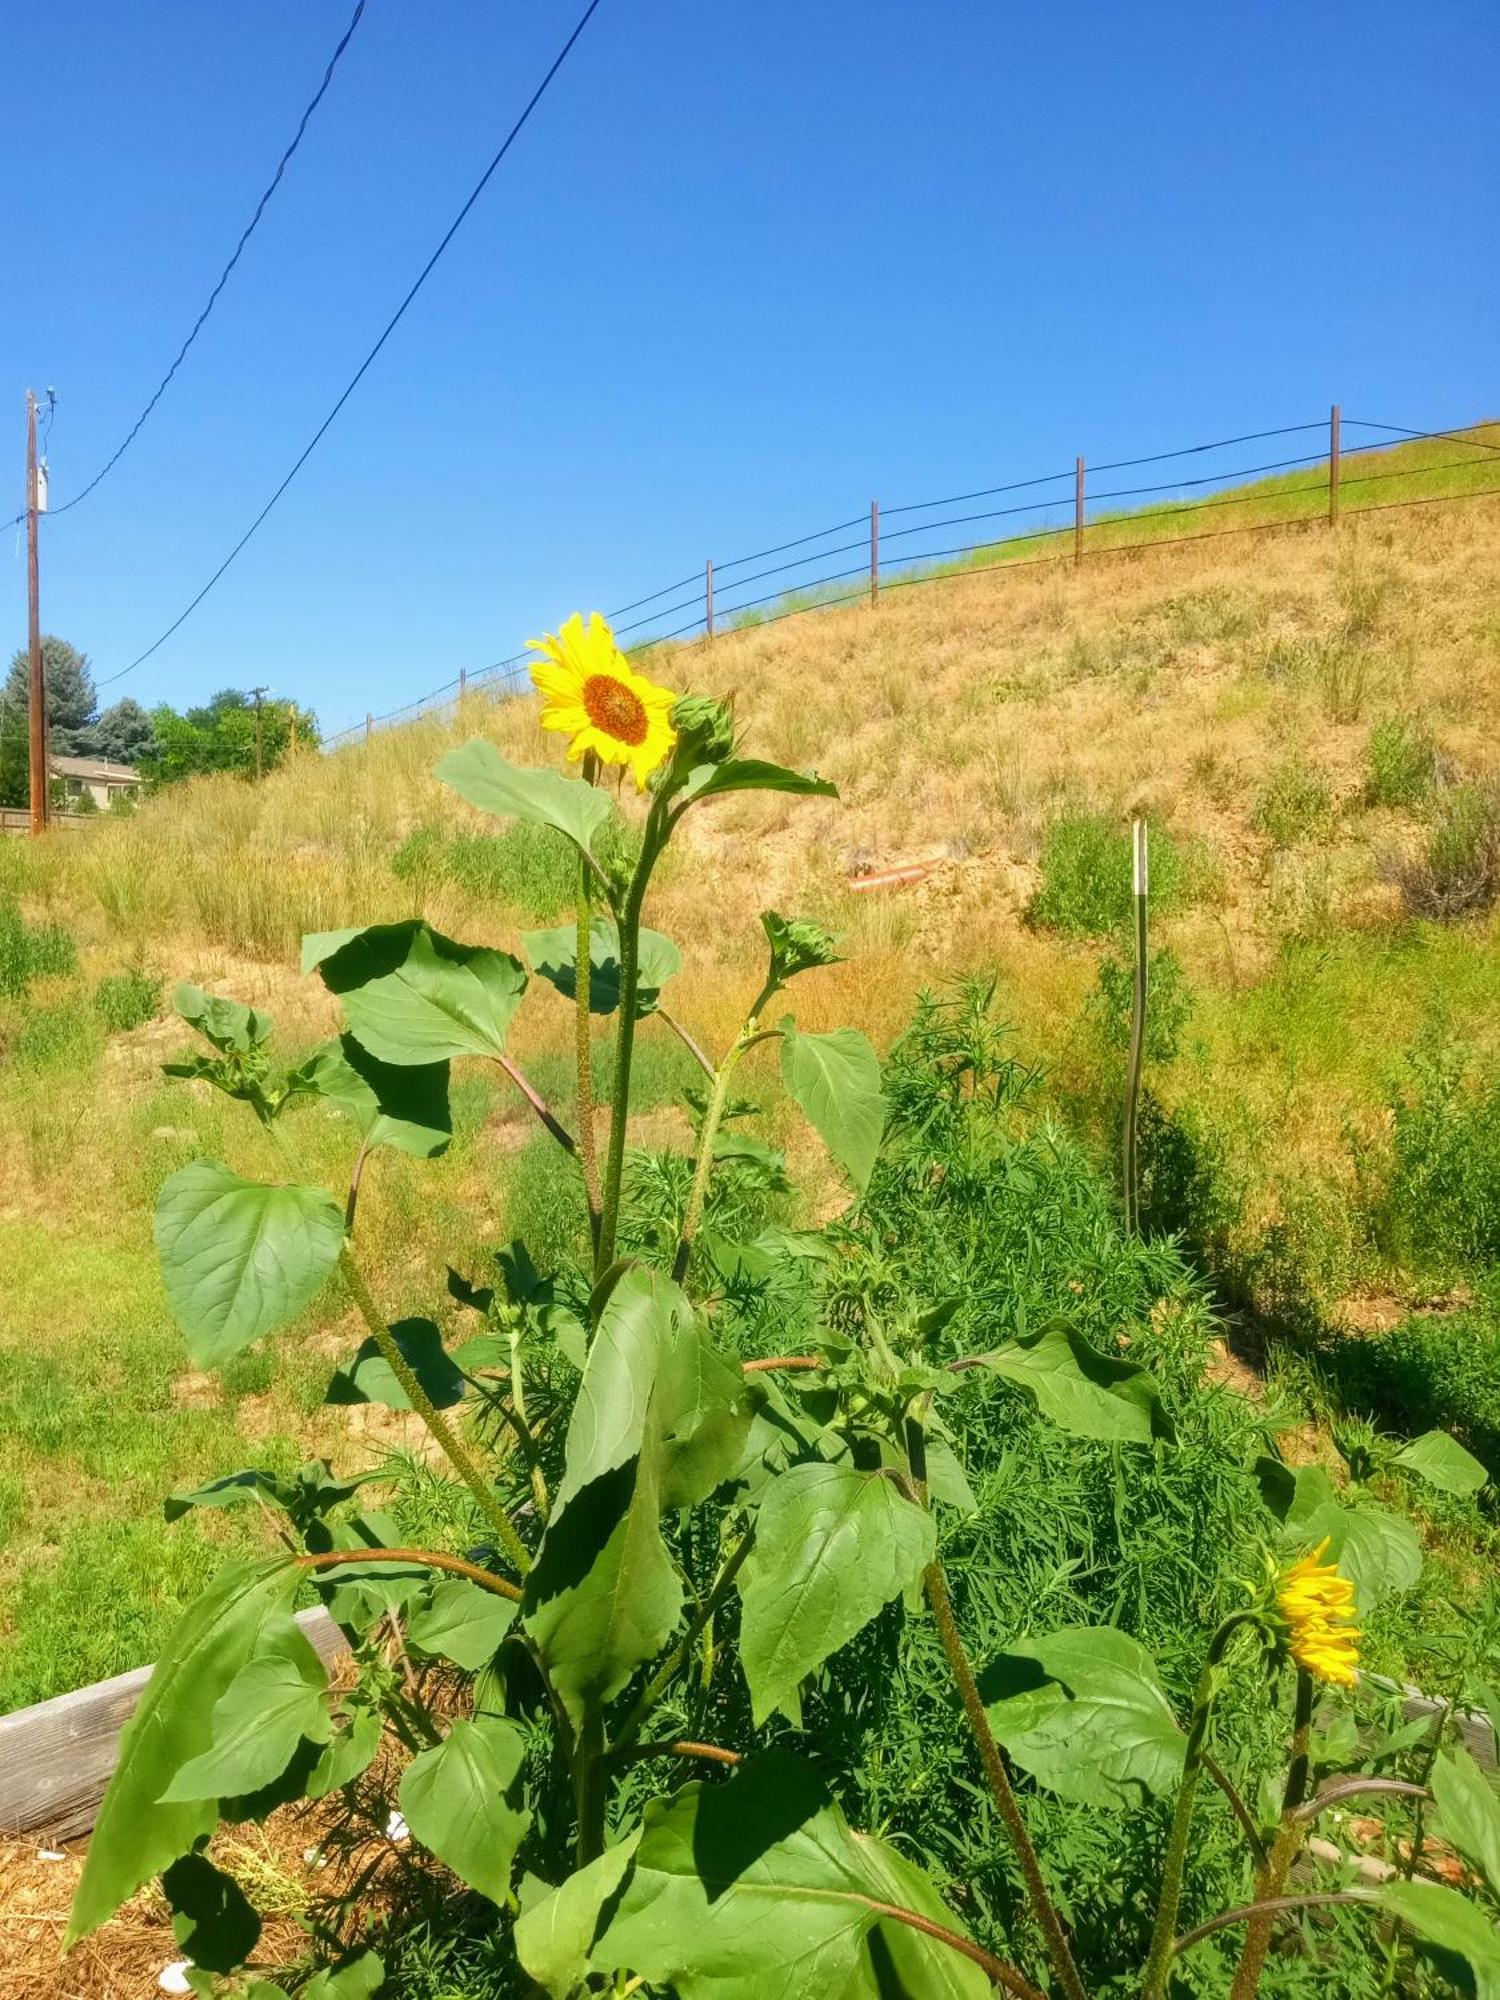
274, 1702
1380, 1553
413, 996
478, 773
211, 1915
136, 1836
348, 1754
1443, 1919
1083, 1711
832, 1546
759, 1888
232, 1027
369, 1377
1084, 1392
460, 1622
704, 1413
1470, 1812
453, 1799
404, 1105
1442, 1461
239, 1258
604, 1594
836, 1080
554, 957
752, 774
555, 1934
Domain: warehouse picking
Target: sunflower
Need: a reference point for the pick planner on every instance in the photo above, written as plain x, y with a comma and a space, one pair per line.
594, 695
1318, 1607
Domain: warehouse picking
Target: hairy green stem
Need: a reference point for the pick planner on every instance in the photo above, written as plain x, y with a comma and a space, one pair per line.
630, 979
705, 1166
436, 1422
990, 1755
1159, 1958
1271, 1880
522, 1424
583, 970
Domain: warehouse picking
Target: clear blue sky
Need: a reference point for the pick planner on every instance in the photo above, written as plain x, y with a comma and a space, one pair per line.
748, 267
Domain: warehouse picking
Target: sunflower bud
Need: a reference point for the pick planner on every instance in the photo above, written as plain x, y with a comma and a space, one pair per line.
797, 945
705, 730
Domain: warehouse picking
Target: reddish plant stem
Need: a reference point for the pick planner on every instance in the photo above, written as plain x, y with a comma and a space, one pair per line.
634, 1753
430, 1558
782, 1361
538, 1104
990, 1755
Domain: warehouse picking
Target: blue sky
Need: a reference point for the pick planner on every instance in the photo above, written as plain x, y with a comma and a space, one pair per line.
748, 267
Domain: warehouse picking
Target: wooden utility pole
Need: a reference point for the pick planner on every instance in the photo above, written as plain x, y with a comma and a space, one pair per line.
1335, 453
255, 695
37, 683
874, 550
1077, 512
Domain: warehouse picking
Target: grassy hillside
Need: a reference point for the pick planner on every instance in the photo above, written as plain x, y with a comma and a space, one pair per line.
1310, 720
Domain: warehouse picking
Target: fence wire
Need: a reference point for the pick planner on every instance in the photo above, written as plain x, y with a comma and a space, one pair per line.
810, 593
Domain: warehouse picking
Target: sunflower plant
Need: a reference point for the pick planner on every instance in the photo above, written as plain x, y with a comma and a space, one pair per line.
667, 1539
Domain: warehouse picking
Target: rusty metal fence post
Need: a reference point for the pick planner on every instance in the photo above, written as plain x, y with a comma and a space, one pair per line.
1335, 453
708, 596
874, 550
463, 682
369, 725
1077, 513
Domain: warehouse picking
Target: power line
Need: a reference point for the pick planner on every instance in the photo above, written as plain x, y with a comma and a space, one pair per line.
223, 279
390, 327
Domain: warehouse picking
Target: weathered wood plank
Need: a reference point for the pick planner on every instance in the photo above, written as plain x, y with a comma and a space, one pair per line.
57, 1758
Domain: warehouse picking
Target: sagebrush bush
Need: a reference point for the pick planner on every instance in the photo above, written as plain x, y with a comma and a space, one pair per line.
1294, 804
1085, 890
1400, 762
1457, 872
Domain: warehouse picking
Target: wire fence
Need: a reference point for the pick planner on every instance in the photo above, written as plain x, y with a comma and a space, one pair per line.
1061, 523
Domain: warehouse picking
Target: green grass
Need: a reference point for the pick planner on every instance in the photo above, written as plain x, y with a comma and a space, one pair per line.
1086, 875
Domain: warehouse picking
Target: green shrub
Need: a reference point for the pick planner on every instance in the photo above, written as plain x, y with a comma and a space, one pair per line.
1085, 890
1400, 762
31, 951
50, 1036
525, 867
1294, 804
1169, 1005
1440, 1208
126, 1000
1433, 1371
1457, 874
1186, 1189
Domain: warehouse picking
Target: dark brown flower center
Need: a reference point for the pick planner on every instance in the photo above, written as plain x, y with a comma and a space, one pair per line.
614, 709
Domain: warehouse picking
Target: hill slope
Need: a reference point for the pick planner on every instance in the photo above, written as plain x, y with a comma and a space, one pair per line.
1296, 713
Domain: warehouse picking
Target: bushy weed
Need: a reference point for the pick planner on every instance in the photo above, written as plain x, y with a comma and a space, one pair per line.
524, 867
31, 951
1085, 890
126, 1000
1400, 762
1295, 804
1441, 1205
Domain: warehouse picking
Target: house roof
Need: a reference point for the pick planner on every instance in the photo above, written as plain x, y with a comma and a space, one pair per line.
100, 770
